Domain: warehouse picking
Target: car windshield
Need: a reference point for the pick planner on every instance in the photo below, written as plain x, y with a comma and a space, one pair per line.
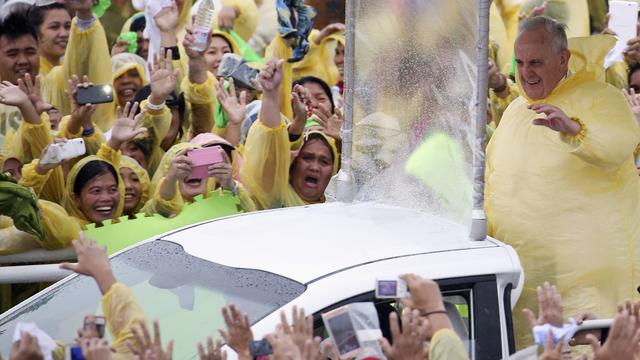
183, 291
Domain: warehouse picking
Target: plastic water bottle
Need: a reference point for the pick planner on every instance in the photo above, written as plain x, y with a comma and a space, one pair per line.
202, 25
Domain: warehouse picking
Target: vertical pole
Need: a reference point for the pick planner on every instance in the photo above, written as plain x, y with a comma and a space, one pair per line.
478, 217
346, 180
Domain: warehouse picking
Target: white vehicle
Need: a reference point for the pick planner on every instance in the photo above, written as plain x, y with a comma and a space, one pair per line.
319, 257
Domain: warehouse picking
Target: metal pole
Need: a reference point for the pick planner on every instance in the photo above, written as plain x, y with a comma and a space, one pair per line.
346, 181
39, 256
478, 217
32, 274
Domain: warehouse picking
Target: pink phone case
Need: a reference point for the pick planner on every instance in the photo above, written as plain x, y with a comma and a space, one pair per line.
202, 158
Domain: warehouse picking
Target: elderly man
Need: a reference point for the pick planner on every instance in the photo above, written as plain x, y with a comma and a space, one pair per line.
562, 187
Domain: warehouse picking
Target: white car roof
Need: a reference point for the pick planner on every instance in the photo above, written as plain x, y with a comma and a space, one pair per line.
306, 243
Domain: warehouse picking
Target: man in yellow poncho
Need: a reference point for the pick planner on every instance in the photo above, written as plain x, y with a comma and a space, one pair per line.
562, 187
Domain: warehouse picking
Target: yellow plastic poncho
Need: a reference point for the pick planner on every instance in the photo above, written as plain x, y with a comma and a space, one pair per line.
318, 61
120, 161
278, 49
88, 54
268, 159
570, 205
122, 313
169, 208
503, 29
68, 203
446, 345
120, 64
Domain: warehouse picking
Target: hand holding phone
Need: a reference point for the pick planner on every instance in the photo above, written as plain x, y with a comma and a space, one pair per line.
391, 289
95, 94
340, 326
261, 348
64, 150
201, 160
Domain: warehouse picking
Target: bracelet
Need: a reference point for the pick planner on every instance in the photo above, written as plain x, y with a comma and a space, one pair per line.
429, 313
88, 132
153, 107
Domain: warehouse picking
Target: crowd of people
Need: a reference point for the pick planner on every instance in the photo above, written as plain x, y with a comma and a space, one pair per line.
265, 98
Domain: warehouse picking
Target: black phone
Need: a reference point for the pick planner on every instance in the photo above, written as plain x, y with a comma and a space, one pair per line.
95, 94
261, 348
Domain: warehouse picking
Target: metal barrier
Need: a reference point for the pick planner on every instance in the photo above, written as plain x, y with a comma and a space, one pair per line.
19, 274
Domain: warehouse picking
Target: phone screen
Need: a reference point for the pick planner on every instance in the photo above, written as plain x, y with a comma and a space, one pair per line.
387, 288
261, 348
96, 94
343, 333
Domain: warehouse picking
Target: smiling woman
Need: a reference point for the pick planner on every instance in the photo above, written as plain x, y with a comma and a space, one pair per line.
53, 24
94, 191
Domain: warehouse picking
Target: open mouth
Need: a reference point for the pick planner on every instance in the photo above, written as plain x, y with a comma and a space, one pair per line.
533, 82
193, 182
128, 92
105, 210
129, 196
311, 181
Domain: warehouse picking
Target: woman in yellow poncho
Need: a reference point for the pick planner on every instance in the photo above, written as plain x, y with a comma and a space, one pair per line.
273, 177
53, 24
173, 185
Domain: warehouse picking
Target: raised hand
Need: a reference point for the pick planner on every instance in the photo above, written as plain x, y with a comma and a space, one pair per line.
82, 8
622, 342
92, 261
238, 334
41, 168
549, 307
96, 349
168, 18
26, 348
555, 119
235, 107
328, 30
179, 169
222, 172
283, 346
212, 352
227, 17
163, 76
271, 75
32, 88
80, 114
188, 43
408, 343
301, 329
12, 95
147, 348
127, 126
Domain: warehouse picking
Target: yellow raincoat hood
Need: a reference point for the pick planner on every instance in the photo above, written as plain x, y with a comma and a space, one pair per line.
234, 45
68, 203
143, 176
314, 134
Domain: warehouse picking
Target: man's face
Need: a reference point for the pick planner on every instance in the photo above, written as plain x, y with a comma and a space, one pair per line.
540, 66
127, 85
54, 33
18, 57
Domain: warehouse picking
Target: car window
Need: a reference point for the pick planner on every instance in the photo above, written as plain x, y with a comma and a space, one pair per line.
457, 304
183, 291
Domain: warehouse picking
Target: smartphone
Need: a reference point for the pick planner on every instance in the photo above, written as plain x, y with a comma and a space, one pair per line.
343, 334
95, 94
601, 324
391, 289
261, 348
623, 19
100, 324
202, 158
63, 151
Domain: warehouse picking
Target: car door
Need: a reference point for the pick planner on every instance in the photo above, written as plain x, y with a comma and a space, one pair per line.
472, 306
